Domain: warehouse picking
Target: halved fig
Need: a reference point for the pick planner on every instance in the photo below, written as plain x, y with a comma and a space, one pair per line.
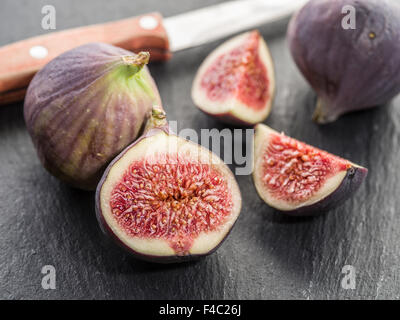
297, 178
236, 83
167, 199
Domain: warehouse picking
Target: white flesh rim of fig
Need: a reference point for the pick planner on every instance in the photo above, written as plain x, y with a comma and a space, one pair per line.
233, 106
168, 144
262, 137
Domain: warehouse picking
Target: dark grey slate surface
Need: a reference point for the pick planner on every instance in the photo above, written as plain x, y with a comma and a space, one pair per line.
43, 221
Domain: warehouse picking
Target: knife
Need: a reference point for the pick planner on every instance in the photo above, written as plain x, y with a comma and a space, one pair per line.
20, 61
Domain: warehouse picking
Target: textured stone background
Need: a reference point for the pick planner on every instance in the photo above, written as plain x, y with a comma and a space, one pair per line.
267, 255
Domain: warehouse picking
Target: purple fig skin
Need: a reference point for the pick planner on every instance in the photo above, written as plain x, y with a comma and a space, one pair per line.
350, 69
85, 106
350, 184
151, 131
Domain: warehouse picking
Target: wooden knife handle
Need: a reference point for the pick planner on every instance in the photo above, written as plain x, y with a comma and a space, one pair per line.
21, 60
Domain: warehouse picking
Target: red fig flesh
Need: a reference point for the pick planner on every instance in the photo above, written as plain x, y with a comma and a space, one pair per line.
297, 178
85, 106
167, 199
236, 81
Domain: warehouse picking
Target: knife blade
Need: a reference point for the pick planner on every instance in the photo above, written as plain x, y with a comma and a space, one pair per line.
150, 32
204, 25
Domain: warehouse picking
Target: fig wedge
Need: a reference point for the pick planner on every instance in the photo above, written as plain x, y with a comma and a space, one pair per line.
299, 179
236, 81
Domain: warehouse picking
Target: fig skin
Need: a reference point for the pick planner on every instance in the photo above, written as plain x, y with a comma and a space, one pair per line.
153, 127
344, 188
350, 69
232, 110
85, 106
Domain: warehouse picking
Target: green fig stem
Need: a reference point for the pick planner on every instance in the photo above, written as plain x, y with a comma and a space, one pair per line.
157, 118
136, 62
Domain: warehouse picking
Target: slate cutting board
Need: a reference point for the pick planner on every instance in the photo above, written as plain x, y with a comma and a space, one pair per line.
44, 222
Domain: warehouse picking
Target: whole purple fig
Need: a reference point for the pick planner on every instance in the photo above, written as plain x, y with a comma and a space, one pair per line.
85, 106
349, 51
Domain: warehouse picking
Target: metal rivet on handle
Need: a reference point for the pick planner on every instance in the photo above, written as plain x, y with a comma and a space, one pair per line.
148, 22
38, 52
